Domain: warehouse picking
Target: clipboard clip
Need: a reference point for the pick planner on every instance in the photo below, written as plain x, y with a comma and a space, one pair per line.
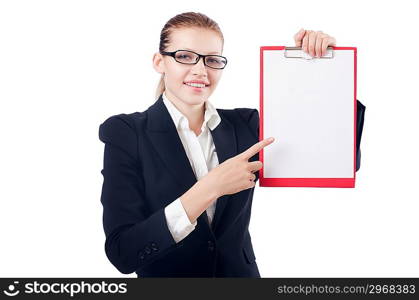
298, 52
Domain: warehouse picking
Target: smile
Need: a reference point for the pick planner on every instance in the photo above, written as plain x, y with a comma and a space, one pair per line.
197, 85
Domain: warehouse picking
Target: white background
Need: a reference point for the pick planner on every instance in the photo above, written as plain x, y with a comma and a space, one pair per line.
66, 66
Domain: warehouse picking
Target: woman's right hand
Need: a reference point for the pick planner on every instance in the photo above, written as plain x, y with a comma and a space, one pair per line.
232, 176
236, 174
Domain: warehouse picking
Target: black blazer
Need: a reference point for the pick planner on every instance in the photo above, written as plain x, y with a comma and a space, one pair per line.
146, 168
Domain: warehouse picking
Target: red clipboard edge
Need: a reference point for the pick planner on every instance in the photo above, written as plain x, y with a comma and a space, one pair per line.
305, 182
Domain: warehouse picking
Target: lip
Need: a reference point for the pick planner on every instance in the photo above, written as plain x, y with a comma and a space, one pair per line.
196, 89
197, 81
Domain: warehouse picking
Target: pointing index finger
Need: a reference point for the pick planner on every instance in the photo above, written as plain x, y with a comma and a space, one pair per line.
257, 147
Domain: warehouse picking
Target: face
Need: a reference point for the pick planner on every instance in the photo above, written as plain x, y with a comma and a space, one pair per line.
202, 41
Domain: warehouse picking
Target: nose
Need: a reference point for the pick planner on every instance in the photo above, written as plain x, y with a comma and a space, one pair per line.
199, 67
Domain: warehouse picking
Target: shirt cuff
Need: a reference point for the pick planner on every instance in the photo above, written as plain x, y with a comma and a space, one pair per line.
178, 221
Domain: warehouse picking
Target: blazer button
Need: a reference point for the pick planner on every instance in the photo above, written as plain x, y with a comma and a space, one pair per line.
211, 246
147, 250
141, 255
154, 247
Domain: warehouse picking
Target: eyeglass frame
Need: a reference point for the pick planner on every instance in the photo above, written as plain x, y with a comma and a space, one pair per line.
173, 53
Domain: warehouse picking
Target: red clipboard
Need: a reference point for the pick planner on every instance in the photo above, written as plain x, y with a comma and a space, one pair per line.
312, 166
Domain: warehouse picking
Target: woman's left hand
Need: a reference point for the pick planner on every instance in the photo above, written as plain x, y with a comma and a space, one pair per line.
312, 42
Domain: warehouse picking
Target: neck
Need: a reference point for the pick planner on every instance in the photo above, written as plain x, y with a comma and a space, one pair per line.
193, 112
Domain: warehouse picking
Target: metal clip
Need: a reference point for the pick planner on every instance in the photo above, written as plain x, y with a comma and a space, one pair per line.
298, 52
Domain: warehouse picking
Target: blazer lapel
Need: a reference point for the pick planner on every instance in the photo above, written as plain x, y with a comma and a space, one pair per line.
224, 137
165, 139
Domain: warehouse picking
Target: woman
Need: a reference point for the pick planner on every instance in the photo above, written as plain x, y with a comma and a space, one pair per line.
179, 177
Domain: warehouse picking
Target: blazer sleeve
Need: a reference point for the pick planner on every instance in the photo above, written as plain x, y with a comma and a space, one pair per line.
253, 121
360, 112
134, 236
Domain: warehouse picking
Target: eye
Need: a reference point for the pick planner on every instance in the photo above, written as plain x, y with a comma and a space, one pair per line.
213, 60
185, 57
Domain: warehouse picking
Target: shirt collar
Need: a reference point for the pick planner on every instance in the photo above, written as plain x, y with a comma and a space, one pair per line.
211, 117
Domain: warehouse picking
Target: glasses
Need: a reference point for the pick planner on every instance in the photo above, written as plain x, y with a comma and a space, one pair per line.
191, 58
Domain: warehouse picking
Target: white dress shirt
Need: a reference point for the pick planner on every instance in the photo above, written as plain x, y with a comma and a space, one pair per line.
202, 157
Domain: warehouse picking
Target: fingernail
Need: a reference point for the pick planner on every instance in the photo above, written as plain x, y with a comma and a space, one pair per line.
271, 139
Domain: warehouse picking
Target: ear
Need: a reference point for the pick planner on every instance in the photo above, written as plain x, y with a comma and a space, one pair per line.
158, 63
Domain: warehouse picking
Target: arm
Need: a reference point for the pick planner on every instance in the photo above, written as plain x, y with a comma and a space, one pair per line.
133, 236
359, 126
178, 221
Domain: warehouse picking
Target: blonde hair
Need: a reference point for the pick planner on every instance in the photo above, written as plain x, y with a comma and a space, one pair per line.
184, 20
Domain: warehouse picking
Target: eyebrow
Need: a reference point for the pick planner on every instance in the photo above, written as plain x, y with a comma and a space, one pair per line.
215, 52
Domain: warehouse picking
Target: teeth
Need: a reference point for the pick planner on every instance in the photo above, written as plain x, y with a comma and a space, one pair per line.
200, 85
